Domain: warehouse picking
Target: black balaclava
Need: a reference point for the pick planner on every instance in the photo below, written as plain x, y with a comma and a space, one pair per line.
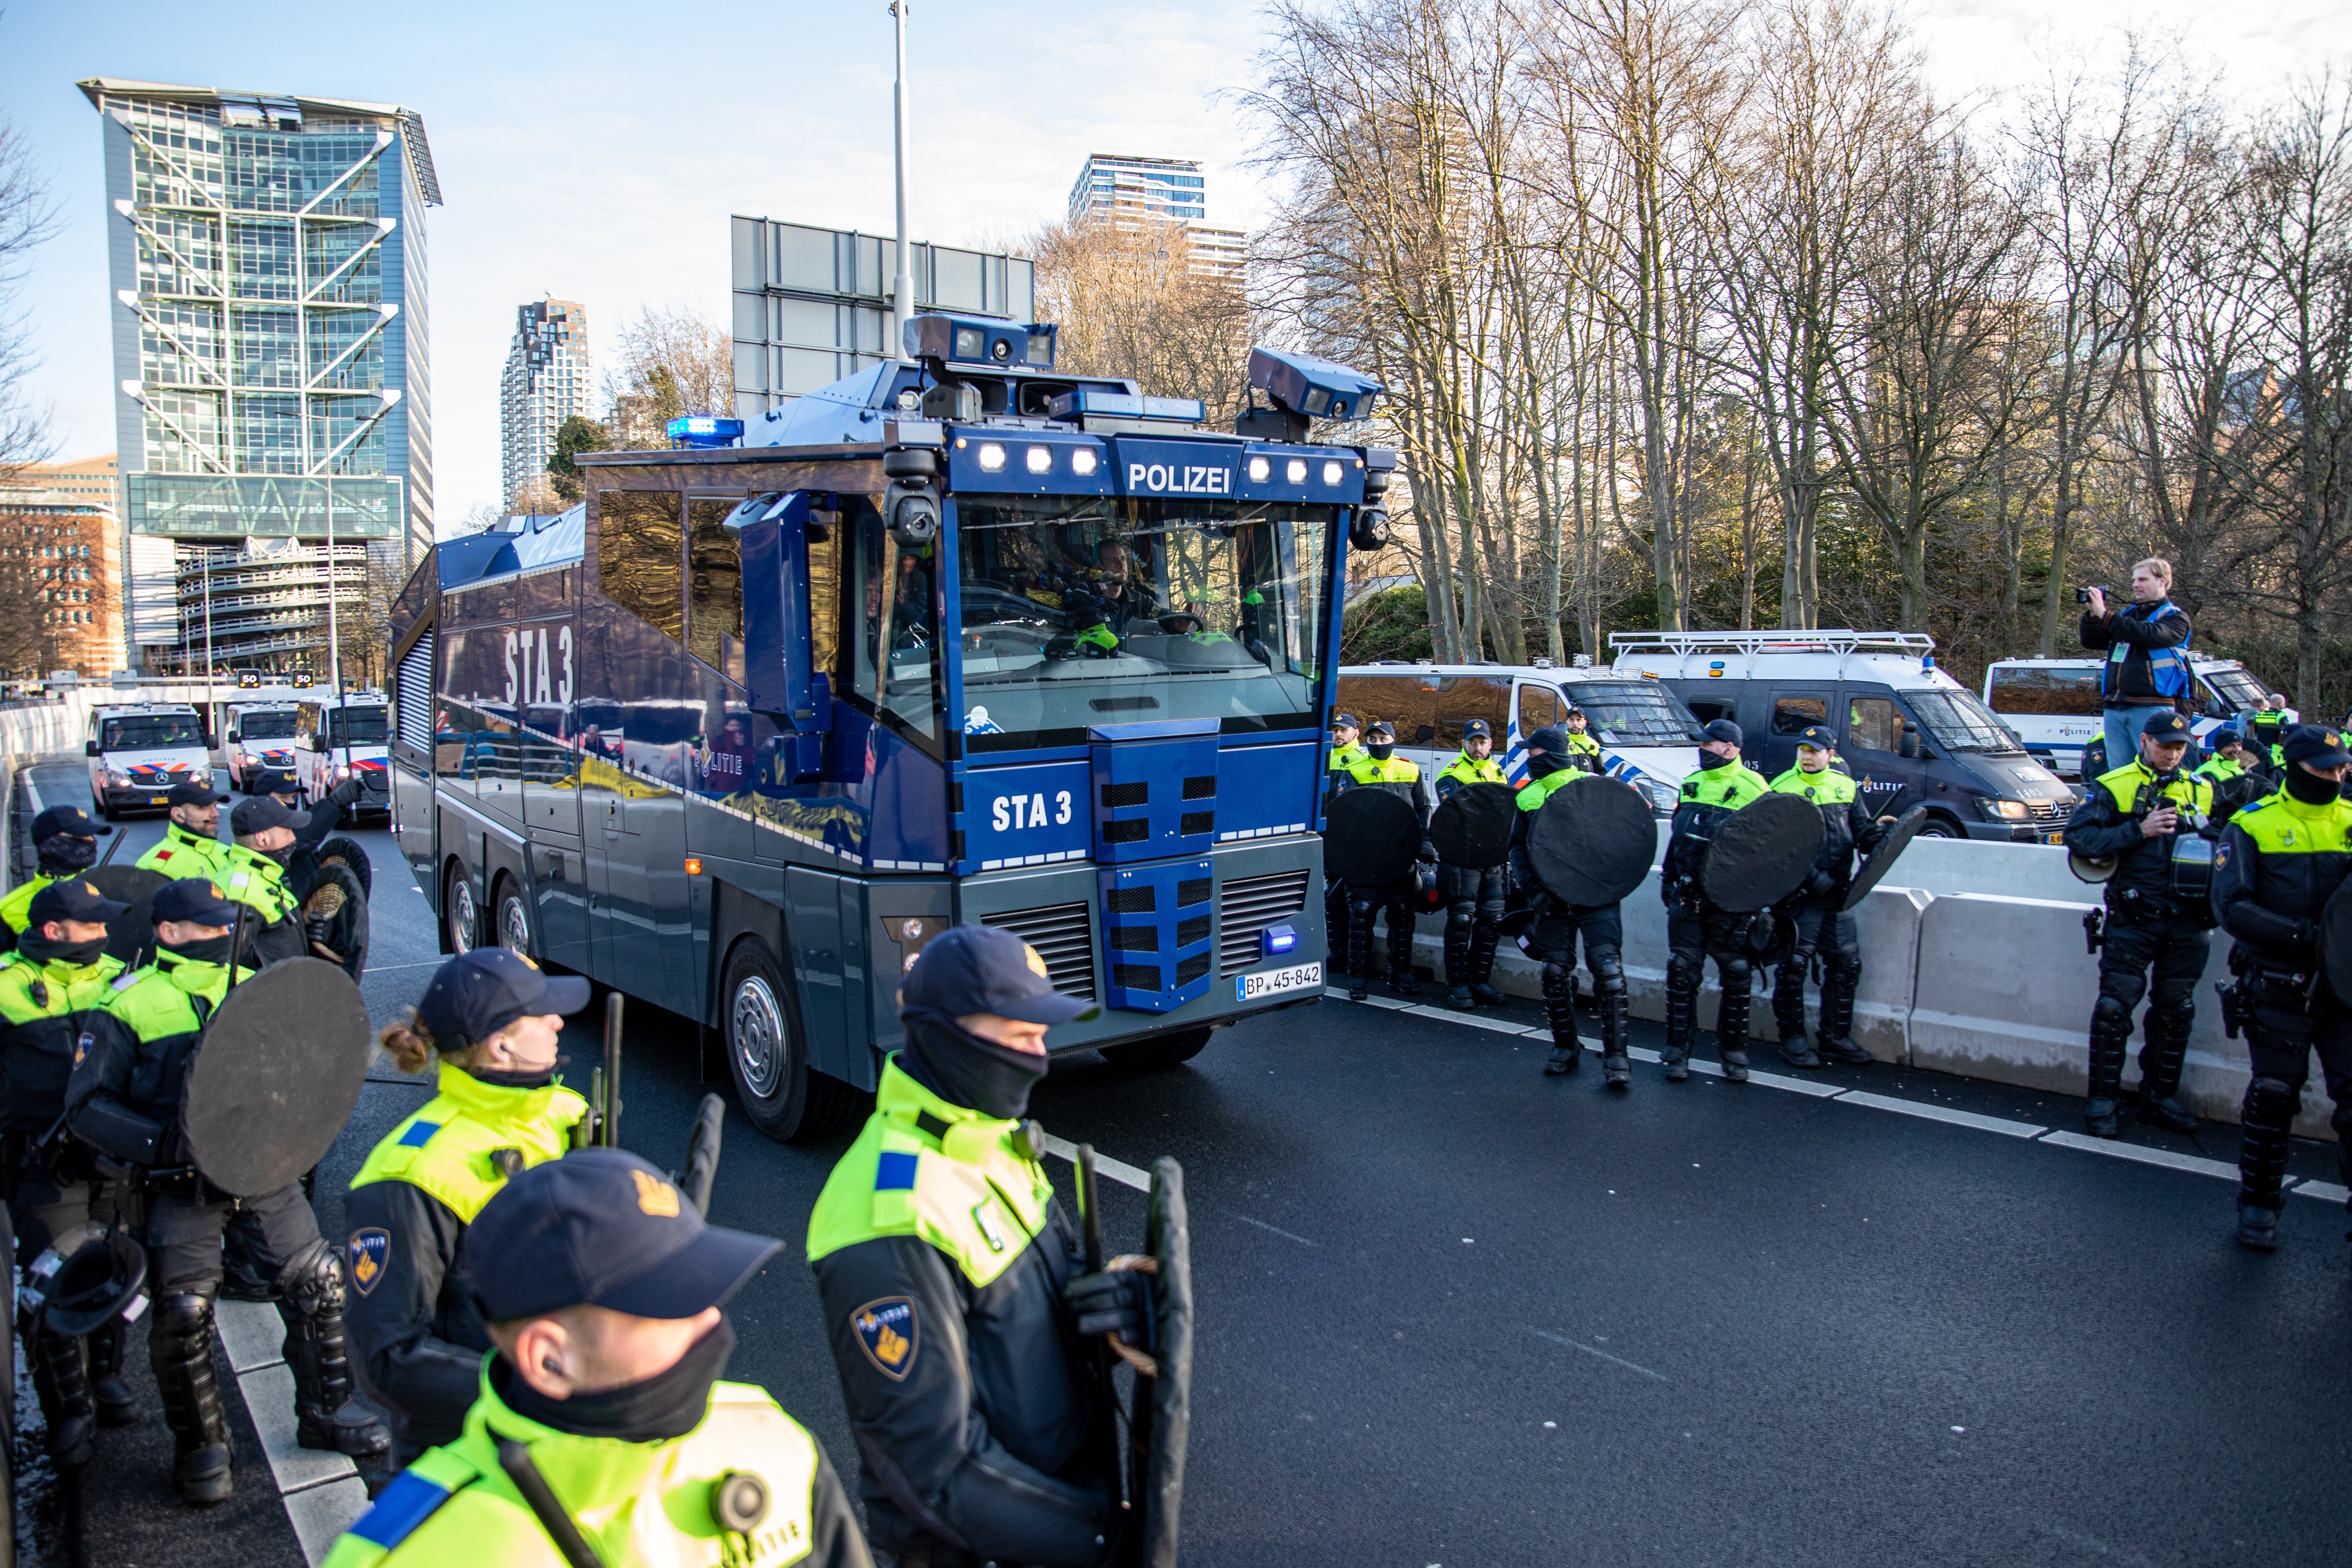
210, 949
1543, 764
1381, 749
281, 855
964, 1069
1712, 760
515, 1078
2309, 787
41, 950
660, 1409
63, 854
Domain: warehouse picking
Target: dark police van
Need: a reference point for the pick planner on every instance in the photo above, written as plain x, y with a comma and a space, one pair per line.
962, 640
1909, 734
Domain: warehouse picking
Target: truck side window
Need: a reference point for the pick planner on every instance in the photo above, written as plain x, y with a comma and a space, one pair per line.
1872, 725
1790, 715
898, 656
1462, 698
1370, 697
714, 585
638, 556
1539, 706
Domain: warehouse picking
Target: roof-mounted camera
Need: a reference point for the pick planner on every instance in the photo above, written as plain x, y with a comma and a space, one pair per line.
1304, 388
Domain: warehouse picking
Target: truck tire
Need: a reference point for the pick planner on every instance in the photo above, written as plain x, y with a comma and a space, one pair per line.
510, 915
767, 1055
1942, 827
1160, 1051
461, 922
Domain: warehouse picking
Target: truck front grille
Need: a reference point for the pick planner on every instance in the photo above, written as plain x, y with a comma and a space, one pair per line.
1063, 938
1249, 904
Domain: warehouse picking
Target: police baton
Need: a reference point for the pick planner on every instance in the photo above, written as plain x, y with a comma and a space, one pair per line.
108, 859
514, 1458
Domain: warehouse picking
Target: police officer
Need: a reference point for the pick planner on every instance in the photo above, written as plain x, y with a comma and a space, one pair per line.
1346, 749
1381, 768
1583, 750
1696, 930
1473, 894
300, 859
124, 1100
2227, 761
67, 841
2155, 922
491, 1020
58, 975
600, 1431
191, 845
1823, 923
255, 876
2280, 860
2266, 738
950, 1281
1551, 764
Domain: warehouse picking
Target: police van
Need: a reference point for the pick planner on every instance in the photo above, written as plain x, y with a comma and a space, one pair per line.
258, 735
2054, 705
1909, 734
336, 740
1646, 736
138, 752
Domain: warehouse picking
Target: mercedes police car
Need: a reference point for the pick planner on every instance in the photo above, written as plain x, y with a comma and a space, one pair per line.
138, 752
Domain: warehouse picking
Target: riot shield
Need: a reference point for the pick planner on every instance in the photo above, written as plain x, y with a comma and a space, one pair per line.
130, 936
339, 850
1763, 854
2335, 939
1472, 827
337, 915
1162, 1429
1592, 842
1877, 864
275, 1077
1369, 837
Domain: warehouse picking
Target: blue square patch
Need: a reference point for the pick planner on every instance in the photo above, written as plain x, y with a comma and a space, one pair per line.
419, 1134
407, 1502
895, 1173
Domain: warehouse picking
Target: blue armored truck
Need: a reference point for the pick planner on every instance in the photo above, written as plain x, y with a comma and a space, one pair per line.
959, 638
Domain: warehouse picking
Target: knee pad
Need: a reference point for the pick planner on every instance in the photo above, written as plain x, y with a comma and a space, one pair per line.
1558, 975
183, 1316
1360, 908
1837, 960
2271, 1102
1736, 975
2109, 1016
1682, 969
313, 1279
1459, 915
1608, 971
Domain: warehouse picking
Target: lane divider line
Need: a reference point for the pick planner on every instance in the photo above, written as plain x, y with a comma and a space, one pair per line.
1604, 1355
323, 1491
2326, 1190
1118, 1171
2116, 1149
1277, 1230
2001, 1124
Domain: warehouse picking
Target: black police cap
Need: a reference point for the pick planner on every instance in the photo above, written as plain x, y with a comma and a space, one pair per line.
1344, 722
1477, 729
66, 819
2318, 744
195, 792
1381, 727
1724, 729
2169, 729
1817, 735
72, 899
195, 901
601, 1227
274, 781
1550, 739
476, 993
984, 969
260, 813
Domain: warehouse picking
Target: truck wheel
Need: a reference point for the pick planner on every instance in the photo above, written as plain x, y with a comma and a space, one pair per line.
513, 919
461, 922
1941, 827
765, 1054
1163, 1051
105, 810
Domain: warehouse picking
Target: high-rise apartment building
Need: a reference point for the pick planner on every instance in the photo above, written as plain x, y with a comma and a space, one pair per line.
266, 261
546, 383
1116, 187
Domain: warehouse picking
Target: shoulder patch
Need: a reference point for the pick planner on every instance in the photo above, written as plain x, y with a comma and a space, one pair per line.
894, 1171
367, 1259
408, 1502
127, 979
887, 1331
163, 854
419, 1134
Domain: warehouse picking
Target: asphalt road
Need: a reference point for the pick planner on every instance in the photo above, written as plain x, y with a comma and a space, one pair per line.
1453, 1312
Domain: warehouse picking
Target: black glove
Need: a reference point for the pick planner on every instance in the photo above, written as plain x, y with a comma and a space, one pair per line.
318, 929
1428, 852
346, 793
1113, 1302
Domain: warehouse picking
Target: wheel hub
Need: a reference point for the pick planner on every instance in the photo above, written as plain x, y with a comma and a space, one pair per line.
757, 1027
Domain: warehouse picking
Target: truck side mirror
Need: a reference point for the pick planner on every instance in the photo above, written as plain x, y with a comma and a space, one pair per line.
90, 748
1910, 743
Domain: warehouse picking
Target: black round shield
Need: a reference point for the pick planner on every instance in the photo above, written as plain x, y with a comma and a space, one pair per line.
347, 851
1370, 836
1762, 853
2335, 940
1907, 828
1592, 842
130, 936
1168, 1236
335, 917
276, 1076
1472, 827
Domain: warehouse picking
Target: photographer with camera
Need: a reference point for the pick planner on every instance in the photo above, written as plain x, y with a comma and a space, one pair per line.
2146, 644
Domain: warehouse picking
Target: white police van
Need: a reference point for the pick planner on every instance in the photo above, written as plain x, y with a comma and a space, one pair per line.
1647, 737
258, 735
137, 751
335, 739
1909, 734
2054, 704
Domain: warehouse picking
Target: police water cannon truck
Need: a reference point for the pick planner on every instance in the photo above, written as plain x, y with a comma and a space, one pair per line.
959, 638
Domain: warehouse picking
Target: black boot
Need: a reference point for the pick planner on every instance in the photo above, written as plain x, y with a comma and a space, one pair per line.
2164, 1047
117, 1405
62, 1382
2265, 1116
1457, 966
180, 1347
1560, 1014
313, 1312
1789, 1011
1682, 1018
1837, 1043
1609, 994
2110, 1039
1731, 1021
1485, 939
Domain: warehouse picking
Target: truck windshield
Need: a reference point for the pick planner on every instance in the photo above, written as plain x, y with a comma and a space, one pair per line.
1636, 715
147, 732
2238, 687
1958, 722
355, 726
266, 725
1084, 611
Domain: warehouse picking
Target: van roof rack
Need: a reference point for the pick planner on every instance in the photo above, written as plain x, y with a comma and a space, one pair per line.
1842, 641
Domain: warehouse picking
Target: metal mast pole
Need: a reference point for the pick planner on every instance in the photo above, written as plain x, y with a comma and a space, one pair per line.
902, 286
334, 644
208, 636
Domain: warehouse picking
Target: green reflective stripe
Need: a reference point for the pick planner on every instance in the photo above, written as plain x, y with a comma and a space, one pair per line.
1828, 787
2282, 825
474, 1118
1539, 791
1730, 787
72, 988
254, 880
1370, 769
2123, 787
1466, 769
157, 1002
180, 853
16, 909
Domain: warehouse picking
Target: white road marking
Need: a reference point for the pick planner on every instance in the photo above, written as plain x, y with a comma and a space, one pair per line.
322, 1492
1999, 1124
2146, 1156
1604, 1355
1276, 1230
1117, 1171
2326, 1190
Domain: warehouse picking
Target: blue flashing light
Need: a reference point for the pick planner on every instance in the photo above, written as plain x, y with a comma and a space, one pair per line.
980, 340
1309, 385
705, 430
1279, 939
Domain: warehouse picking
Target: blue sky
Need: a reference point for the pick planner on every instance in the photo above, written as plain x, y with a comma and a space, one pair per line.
594, 151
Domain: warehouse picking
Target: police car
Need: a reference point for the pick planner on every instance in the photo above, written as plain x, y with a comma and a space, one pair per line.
336, 740
1909, 734
138, 752
1646, 736
258, 735
2054, 705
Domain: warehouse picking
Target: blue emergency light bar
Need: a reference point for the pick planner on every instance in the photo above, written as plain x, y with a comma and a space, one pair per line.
977, 340
705, 430
1083, 401
1316, 387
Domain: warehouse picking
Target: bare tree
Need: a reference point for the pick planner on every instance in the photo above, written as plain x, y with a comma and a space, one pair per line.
1133, 299
27, 218
671, 361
